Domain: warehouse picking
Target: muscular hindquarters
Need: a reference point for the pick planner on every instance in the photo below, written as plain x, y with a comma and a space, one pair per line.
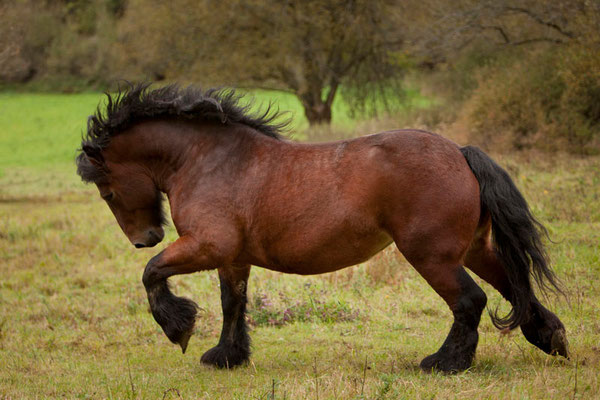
433, 210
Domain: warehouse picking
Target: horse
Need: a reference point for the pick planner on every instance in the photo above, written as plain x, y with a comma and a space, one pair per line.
241, 194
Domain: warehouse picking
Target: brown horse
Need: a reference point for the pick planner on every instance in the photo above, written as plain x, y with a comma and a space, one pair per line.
241, 195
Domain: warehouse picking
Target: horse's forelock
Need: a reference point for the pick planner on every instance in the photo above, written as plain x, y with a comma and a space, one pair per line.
89, 172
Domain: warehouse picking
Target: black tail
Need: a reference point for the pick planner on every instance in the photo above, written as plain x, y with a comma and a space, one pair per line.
516, 234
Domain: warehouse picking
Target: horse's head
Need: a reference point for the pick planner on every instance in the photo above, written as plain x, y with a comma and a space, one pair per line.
130, 194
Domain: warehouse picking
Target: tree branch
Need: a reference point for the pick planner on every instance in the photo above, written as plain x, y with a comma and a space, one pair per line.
536, 40
498, 29
333, 87
540, 21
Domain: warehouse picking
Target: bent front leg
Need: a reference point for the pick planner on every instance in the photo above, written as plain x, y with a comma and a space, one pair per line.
176, 315
234, 345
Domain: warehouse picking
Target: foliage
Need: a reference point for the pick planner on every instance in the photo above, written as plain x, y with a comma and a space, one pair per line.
515, 73
22, 50
549, 100
443, 28
309, 48
68, 41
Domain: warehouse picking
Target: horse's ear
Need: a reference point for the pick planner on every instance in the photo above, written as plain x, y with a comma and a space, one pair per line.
94, 155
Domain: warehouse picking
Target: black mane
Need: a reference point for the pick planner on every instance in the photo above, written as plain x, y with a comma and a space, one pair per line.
137, 102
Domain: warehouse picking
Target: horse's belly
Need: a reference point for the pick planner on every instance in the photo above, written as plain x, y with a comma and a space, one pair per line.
308, 257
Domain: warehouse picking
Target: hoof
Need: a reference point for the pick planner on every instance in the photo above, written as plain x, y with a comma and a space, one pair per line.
177, 320
225, 357
559, 343
185, 338
547, 333
445, 363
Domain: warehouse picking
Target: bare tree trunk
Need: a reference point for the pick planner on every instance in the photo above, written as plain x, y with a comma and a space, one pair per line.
317, 113
317, 110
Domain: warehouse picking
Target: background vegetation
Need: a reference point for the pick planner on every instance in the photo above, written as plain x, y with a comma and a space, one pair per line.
507, 75
515, 74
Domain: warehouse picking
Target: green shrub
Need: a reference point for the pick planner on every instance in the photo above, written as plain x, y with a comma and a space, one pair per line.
62, 47
549, 99
579, 119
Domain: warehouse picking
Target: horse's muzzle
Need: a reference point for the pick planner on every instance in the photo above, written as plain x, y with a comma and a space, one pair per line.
151, 238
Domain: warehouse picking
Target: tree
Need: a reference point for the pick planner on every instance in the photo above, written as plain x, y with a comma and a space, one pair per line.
310, 48
446, 27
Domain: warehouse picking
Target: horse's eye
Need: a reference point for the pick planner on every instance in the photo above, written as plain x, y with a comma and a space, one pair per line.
109, 196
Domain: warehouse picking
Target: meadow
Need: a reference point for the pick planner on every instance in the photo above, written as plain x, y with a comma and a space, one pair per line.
74, 319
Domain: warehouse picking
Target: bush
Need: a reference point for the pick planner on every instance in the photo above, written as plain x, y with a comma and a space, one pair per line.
54, 46
579, 119
549, 99
25, 33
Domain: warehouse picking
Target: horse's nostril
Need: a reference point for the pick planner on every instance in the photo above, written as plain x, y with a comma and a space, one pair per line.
157, 237
139, 245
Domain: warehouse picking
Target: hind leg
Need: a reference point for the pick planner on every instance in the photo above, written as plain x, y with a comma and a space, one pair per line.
234, 345
542, 328
435, 245
467, 301
441, 267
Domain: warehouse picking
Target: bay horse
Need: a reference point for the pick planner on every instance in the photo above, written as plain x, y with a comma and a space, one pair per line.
240, 195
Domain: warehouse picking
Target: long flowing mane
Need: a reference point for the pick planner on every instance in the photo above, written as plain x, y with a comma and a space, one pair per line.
138, 102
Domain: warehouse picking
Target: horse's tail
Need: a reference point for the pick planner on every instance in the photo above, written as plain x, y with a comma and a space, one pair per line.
516, 234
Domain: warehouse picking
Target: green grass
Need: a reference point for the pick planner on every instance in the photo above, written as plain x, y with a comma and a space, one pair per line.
74, 320
39, 130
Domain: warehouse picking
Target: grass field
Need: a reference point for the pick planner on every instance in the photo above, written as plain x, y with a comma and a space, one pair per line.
74, 320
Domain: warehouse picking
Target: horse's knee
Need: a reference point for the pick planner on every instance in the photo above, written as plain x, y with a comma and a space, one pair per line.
151, 274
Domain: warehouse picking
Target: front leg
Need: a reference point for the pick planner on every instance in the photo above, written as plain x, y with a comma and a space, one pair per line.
177, 315
234, 345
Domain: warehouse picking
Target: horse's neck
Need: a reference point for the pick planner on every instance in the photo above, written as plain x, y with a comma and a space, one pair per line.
176, 153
